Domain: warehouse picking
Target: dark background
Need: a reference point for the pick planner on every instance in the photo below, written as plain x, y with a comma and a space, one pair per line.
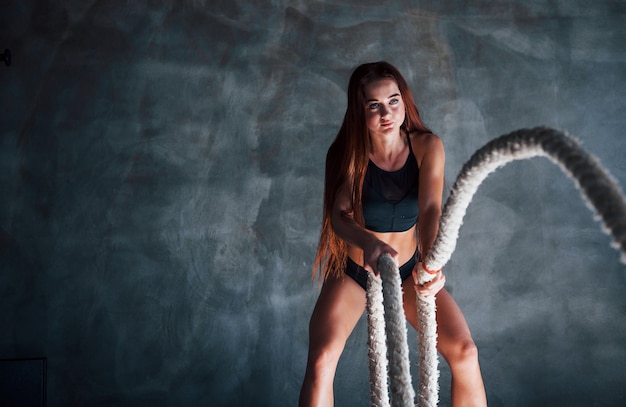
161, 170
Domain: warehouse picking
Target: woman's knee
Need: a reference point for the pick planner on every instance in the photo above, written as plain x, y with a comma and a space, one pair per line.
462, 352
322, 365
323, 358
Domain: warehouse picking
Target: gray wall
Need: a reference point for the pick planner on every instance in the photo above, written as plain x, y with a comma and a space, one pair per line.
161, 176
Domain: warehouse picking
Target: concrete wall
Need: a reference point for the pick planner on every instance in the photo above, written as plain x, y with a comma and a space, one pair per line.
161, 175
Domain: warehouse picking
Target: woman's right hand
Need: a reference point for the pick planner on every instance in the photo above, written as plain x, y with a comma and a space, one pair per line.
372, 252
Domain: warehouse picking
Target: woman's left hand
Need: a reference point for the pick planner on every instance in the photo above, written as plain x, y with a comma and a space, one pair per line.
430, 288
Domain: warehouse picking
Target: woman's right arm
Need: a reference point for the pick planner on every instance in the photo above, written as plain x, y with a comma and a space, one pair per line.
344, 226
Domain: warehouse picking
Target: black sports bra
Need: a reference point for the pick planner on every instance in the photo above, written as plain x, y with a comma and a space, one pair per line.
390, 197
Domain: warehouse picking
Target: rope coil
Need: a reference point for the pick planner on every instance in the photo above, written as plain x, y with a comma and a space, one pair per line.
599, 190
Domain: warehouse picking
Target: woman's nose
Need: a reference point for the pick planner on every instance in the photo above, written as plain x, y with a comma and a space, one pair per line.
384, 111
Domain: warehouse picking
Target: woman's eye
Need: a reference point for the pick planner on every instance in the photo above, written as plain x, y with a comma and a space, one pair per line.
394, 101
373, 106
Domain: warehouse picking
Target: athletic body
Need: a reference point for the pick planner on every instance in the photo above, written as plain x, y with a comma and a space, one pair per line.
382, 133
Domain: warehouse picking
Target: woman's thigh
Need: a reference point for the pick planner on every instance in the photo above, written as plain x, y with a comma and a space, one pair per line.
452, 328
451, 324
339, 306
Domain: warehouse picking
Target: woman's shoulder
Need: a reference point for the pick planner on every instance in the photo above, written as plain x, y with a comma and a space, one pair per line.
425, 141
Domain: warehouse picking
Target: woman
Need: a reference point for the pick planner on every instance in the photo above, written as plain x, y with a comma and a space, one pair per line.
383, 168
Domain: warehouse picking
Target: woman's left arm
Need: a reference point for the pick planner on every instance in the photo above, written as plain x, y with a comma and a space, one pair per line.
431, 165
430, 189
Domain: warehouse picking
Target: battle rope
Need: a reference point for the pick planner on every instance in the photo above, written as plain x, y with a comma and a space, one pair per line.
600, 191
376, 345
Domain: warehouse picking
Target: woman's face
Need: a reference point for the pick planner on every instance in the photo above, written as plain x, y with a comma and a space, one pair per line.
384, 107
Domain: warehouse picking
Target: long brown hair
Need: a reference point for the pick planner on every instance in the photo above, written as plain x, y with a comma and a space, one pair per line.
348, 155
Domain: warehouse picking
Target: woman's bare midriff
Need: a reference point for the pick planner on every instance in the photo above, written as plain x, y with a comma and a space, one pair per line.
405, 243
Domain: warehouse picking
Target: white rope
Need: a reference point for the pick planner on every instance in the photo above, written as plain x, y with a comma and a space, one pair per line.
600, 191
428, 393
376, 346
402, 393
394, 326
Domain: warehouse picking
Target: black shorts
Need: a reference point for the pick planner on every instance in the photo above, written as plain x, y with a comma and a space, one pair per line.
359, 274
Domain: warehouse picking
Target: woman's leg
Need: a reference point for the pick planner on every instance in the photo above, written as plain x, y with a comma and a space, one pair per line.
338, 309
455, 343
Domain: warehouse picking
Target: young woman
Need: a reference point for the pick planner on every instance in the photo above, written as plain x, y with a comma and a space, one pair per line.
383, 169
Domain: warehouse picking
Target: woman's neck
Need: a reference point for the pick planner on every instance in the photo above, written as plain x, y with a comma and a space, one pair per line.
388, 151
